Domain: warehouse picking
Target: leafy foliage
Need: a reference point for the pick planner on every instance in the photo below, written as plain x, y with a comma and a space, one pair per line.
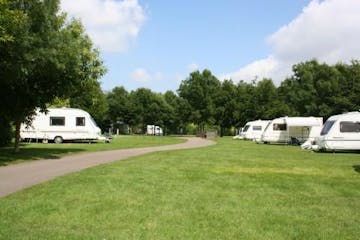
200, 91
42, 57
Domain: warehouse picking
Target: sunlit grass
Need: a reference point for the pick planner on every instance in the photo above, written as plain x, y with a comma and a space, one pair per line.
233, 190
33, 151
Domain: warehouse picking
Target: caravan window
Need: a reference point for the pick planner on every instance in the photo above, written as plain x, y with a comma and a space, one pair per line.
246, 128
279, 126
349, 126
257, 128
80, 121
327, 127
57, 121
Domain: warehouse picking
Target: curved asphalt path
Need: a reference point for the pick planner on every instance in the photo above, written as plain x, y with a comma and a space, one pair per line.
19, 176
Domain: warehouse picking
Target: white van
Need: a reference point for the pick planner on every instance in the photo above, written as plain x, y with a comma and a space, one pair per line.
293, 130
254, 129
154, 130
340, 132
60, 124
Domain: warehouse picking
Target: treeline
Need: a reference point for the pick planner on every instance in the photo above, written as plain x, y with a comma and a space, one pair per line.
203, 102
48, 60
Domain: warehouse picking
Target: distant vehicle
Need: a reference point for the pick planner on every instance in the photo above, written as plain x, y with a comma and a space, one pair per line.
253, 130
340, 132
61, 124
154, 130
292, 130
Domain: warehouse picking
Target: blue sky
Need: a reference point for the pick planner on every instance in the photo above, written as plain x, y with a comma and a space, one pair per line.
156, 44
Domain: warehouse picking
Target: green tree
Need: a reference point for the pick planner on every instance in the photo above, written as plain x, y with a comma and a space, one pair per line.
48, 58
226, 106
180, 112
349, 84
121, 107
90, 97
247, 105
150, 108
200, 91
269, 104
313, 90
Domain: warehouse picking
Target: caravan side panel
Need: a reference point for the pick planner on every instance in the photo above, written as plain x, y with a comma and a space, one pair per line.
67, 123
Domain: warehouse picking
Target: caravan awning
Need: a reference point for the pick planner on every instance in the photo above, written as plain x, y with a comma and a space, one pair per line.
303, 121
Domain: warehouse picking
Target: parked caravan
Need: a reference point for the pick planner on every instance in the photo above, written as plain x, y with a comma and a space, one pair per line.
340, 132
294, 130
60, 124
254, 129
154, 130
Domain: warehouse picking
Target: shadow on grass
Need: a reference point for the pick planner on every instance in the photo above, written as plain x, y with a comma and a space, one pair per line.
357, 168
29, 153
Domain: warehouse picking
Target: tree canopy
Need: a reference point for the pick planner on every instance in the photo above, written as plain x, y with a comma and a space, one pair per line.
47, 59
43, 57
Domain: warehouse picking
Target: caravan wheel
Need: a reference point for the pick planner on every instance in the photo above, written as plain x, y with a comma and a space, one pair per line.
58, 139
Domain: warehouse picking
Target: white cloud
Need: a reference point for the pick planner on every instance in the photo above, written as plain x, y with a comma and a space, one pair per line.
141, 75
254, 70
326, 30
112, 25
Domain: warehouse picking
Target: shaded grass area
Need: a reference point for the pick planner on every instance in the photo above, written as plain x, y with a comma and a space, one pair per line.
34, 151
233, 190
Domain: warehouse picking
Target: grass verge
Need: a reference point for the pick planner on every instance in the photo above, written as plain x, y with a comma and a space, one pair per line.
233, 190
34, 151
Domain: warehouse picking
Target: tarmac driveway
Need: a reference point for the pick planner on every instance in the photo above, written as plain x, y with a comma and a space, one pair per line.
19, 176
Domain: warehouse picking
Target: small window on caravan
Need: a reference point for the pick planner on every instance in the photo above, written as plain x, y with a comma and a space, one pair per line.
57, 121
279, 126
349, 126
80, 121
257, 128
246, 128
327, 127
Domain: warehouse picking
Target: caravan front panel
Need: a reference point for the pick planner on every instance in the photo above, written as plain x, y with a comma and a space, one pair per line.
341, 132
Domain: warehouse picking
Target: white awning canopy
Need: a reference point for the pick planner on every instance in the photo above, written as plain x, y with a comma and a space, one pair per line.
303, 121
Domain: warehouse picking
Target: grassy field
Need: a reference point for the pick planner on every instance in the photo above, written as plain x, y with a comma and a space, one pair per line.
32, 151
233, 190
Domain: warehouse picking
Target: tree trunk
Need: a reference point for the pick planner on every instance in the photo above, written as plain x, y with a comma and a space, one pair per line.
17, 135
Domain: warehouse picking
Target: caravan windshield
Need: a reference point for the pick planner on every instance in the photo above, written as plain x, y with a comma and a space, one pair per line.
93, 122
327, 127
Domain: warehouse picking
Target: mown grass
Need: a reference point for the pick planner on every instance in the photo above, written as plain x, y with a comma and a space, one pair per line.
33, 151
233, 190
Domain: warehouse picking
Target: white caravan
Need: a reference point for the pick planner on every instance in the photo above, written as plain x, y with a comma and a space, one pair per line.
294, 130
254, 129
154, 130
340, 132
60, 124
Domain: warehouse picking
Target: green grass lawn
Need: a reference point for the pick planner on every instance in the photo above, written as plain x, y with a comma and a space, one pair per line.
32, 151
232, 190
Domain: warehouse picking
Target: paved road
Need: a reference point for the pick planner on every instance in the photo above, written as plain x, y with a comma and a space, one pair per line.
19, 176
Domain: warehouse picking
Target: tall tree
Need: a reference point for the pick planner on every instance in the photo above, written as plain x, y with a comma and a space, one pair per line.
180, 112
90, 97
151, 108
226, 106
121, 107
269, 104
49, 57
200, 91
349, 84
313, 90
